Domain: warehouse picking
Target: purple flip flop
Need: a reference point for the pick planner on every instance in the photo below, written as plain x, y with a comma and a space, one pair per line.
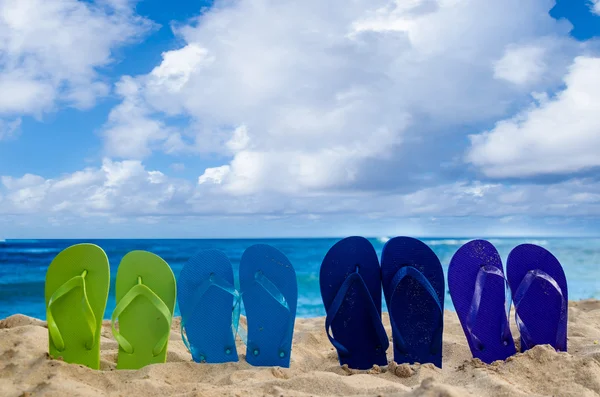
540, 296
478, 289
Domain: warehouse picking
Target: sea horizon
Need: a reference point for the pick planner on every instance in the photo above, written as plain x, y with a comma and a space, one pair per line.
458, 237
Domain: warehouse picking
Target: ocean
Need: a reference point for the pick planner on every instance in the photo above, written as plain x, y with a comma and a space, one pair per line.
23, 264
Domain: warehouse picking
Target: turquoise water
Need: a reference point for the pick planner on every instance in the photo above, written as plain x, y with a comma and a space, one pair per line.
23, 264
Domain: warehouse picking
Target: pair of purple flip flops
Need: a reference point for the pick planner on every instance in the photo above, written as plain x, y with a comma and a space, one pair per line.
413, 286
481, 297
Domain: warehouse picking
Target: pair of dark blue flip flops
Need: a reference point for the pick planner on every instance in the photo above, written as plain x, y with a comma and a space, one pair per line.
210, 306
479, 289
351, 281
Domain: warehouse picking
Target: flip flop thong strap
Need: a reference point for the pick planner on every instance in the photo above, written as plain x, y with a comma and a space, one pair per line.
214, 280
355, 279
262, 281
504, 331
88, 313
414, 273
561, 330
141, 290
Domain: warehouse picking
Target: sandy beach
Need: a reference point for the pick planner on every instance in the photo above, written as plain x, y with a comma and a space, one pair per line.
26, 369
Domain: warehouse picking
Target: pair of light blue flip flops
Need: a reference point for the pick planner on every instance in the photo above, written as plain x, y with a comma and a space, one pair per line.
210, 306
412, 279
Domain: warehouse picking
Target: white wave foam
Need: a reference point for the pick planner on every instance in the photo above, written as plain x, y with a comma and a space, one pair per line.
447, 242
383, 239
537, 242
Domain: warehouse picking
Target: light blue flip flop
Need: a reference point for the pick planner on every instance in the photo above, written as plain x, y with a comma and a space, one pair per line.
270, 293
209, 306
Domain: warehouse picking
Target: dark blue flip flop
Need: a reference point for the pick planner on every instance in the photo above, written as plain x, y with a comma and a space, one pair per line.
478, 289
540, 296
413, 285
350, 280
270, 294
207, 299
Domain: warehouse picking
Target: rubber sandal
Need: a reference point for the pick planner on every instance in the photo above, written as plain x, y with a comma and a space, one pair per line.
145, 296
269, 292
350, 280
76, 290
413, 286
540, 296
479, 292
208, 301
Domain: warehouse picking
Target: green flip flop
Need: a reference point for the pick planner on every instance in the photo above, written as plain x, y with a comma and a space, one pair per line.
77, 283
145, 294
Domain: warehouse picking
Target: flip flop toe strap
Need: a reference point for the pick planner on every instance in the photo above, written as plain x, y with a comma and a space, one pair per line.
141, 290
88, 313
355, 279
414, 273
561, 330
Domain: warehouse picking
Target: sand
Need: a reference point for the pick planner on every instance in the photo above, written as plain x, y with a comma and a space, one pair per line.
26, 369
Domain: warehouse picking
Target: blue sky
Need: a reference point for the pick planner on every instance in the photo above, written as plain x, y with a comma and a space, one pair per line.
198, 119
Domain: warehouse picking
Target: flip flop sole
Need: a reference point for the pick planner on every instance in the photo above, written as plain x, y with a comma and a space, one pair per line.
67, 312
207, 318
352, 325
541, 307
413, 308
270, 325
141, 323
463, 272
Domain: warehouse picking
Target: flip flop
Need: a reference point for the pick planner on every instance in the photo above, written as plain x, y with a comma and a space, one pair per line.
145, 295
77, 283
270, 293
413, 286
350, 280
478, 289
207, 299
540, 295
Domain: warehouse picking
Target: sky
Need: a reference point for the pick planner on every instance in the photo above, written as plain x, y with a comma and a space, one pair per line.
280, 118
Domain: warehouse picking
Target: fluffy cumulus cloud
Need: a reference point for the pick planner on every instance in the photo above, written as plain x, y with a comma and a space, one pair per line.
114, 189
595, 6
50, 51
554, 135
315, 100
521, 65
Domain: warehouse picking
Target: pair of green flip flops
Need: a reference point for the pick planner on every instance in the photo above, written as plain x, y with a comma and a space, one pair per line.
77, 284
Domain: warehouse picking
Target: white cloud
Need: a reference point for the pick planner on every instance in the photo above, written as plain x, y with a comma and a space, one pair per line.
595, 6
214, 175
177, 67
521, 65
309, 100
27, 180
240, 139
555, 136
131, 131
52, 49
114, 189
